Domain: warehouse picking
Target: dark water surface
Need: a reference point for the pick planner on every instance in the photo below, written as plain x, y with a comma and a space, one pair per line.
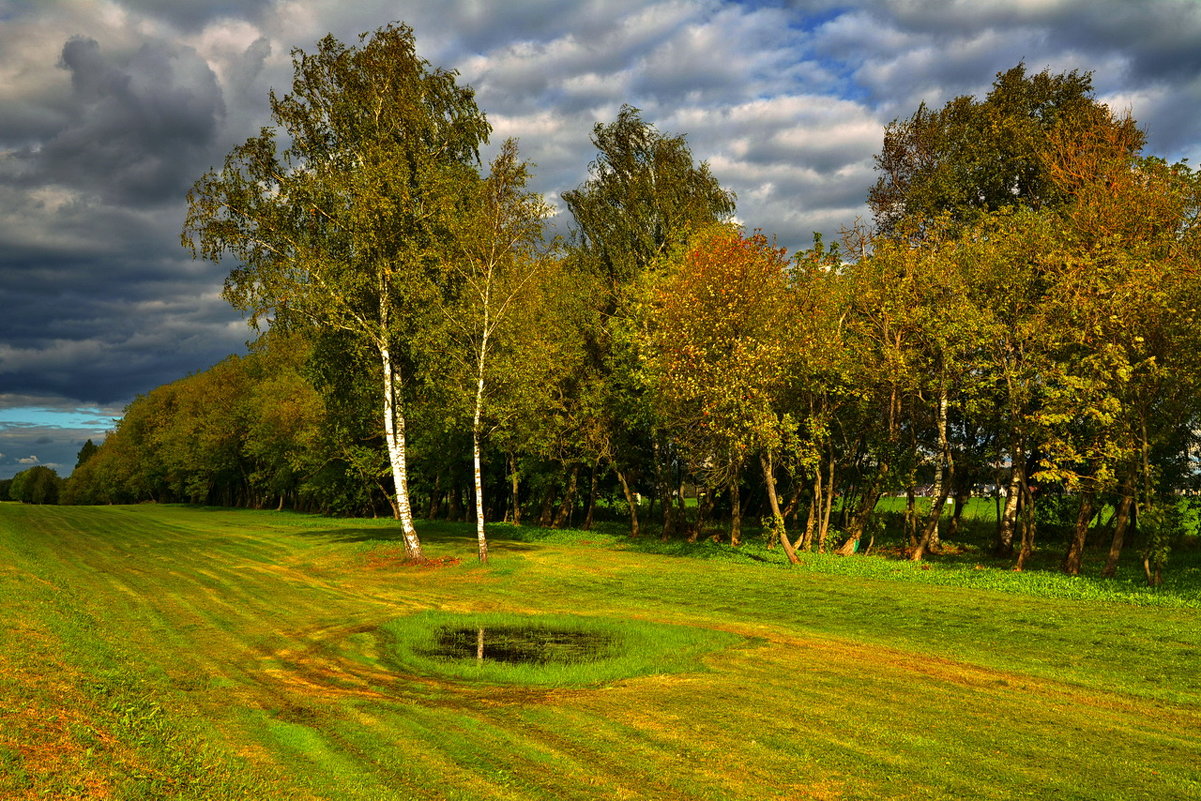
520, 645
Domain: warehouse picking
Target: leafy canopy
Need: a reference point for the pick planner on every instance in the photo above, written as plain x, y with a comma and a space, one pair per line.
975, 156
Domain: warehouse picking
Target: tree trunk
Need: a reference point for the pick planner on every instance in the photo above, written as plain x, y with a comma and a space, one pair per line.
824, 531
1008, 519
929, 538
962, 497
1074, 558
477, 433
568, 504
1122, 519
663, 488
736, 508
630, 502
944, 479
911, 513
546, 513
815, 511
394, 437
704, 507
792, 509
514, 487
769, 475
454, 503
395, 507
435, 499
867, 506
681, 508
1026, 514
1154, 577
592, 488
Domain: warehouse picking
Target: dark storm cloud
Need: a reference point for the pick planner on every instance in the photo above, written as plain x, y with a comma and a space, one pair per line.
137, 124
99, 300
83, 331
1157, 39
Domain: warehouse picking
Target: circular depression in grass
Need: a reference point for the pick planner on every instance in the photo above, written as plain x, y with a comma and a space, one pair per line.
547, 650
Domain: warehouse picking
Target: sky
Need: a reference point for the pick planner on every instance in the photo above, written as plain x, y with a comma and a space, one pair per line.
111, 109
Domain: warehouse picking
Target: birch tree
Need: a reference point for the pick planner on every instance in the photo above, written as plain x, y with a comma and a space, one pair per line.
492, 272
336, 215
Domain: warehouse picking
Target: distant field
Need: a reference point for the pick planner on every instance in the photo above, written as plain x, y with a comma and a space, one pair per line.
168, 652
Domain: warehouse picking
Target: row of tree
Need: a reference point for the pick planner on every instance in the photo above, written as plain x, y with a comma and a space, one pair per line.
1023, 315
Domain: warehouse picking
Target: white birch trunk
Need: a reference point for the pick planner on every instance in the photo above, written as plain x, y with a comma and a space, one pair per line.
476, 427
394, 436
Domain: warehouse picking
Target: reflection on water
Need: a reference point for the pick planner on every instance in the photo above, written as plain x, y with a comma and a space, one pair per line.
520, 645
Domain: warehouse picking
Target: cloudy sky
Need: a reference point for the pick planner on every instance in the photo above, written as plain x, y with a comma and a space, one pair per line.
110, 109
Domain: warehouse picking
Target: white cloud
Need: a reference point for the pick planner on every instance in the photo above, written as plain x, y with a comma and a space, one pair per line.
28, 460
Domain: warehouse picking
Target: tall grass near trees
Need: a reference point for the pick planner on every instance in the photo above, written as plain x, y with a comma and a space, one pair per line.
169, 652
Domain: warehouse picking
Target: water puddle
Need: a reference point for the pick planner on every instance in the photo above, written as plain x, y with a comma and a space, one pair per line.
520, 645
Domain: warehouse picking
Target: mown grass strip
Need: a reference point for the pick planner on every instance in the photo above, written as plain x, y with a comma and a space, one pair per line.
254, 640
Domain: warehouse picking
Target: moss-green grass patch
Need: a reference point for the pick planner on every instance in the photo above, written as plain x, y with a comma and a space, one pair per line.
547, 650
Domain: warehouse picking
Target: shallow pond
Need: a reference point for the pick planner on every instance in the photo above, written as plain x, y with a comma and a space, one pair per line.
534, 645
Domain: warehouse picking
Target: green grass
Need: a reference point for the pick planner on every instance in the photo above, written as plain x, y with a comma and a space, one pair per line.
631, 648
172, 652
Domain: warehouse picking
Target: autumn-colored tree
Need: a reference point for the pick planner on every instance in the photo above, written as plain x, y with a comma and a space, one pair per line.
717, 344
1123, 287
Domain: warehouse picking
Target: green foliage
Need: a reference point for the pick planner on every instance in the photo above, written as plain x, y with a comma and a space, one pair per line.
642, 192
979, 156
339, 216
1025, 318
38, 484
85, 453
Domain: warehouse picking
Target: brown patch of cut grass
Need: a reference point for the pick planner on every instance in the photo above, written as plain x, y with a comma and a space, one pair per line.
51, 727
395, 558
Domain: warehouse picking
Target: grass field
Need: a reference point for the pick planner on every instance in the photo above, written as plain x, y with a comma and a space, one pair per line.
170, 652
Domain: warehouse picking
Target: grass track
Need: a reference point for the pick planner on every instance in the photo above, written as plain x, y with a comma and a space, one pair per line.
152, 652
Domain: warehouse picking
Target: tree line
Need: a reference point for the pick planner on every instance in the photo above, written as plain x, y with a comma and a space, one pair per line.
1021, 315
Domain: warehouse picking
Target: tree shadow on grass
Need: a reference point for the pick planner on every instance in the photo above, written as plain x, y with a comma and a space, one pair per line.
430, 533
